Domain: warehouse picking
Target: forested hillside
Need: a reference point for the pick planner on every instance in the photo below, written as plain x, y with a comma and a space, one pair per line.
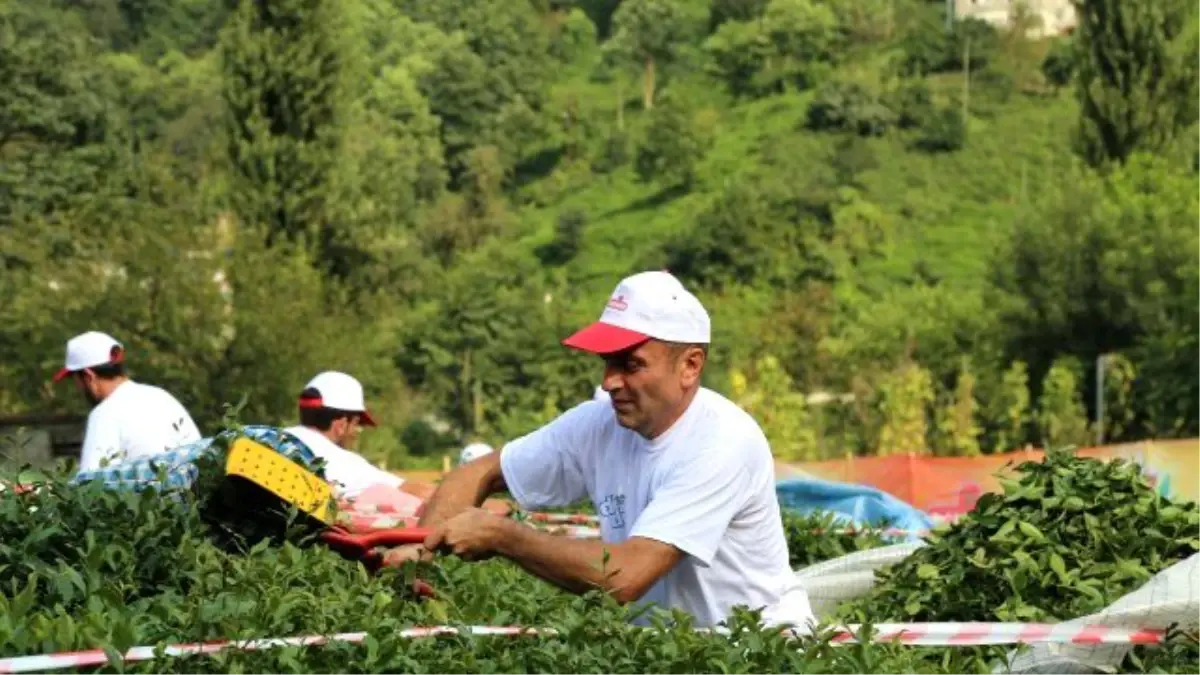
912, 235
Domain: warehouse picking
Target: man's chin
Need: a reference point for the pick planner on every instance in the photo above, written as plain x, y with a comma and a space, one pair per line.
626, 419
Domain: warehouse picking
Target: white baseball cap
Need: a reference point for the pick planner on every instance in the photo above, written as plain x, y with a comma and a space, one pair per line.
89, 350
473, 452
338, 391
644, 306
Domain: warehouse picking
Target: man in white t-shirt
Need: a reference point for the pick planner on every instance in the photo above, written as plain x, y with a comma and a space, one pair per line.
129, 420
332, 415
682, 479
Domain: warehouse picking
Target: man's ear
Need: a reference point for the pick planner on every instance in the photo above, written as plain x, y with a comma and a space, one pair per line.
691, 363
338, 426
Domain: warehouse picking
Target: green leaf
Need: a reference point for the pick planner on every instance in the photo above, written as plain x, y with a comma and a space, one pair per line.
1029, 530
927, 571
1059, 566
1005, 530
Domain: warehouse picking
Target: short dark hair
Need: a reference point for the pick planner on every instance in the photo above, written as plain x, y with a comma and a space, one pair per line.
108, 371
321, 418
678, 348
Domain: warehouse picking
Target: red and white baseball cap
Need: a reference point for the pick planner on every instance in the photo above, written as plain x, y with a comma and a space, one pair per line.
89, 350
647, 305
339, 391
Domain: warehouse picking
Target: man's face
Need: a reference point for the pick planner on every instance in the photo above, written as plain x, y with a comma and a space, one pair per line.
86, 380
648, 383
346, 430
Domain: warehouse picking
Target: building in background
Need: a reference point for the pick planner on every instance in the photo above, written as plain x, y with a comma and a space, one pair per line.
1055, 17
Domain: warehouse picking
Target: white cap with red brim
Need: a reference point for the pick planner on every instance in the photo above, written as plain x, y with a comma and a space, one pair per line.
89, 350
648, 305
338, 391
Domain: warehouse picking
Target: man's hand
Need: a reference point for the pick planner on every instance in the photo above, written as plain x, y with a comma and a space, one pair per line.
395, 557
473, 534
500, 507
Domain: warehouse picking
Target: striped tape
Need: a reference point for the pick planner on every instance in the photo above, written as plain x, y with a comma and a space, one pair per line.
886, 532
565, 518
573, 525
920, 634
360, 522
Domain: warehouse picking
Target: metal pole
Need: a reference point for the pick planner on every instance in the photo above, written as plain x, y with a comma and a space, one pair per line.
949, 15
1100, 400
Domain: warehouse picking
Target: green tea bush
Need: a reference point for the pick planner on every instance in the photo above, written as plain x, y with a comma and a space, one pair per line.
84, 567
1066, 538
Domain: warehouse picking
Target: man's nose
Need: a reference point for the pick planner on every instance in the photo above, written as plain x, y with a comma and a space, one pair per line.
612, 378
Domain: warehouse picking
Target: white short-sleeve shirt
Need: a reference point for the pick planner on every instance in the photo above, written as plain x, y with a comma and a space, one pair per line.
706, 486
349, 472
135, 421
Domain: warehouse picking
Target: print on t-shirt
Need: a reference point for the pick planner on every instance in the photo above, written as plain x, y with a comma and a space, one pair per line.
612, 510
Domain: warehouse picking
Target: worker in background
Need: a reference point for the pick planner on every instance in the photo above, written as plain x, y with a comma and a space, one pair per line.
129, 420
332, 415
473, 452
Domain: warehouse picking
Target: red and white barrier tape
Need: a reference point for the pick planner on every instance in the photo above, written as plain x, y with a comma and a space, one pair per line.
926, 634
573, 525
958, 633
360, 522
886, 532
534, 516
565, 518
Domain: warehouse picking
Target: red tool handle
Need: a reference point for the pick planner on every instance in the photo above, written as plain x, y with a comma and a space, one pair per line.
369, 540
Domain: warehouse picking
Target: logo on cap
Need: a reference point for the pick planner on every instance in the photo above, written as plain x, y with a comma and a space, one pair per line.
618, 303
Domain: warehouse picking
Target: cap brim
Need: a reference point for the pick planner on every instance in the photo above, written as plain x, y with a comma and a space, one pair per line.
61, 374
366, 419
605, 338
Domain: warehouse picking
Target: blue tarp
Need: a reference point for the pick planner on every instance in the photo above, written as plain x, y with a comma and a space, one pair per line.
857, 505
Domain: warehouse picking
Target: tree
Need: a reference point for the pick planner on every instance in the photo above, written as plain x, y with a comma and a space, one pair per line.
648, 32
672, 147
957, 424
286, 91
906, 394
782, 411
1008, 410
491, 87
806, 38
850, 107
738, 53
1061, 417
58, 131
927, 47
1119, 377
475, 348
1137, 76
576, 37
1106, 263
765, 227
1058, 67
722, 11
790, 45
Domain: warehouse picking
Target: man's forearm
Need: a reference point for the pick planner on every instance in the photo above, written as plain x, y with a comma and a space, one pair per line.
572, 564
463, 488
